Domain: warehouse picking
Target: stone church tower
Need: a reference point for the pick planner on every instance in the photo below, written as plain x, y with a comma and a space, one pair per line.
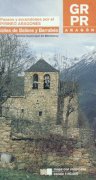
40, 100
41, 90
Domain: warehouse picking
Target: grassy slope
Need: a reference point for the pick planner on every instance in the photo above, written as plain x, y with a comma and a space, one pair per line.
20, 175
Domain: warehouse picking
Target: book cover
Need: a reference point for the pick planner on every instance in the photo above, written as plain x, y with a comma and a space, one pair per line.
48, 89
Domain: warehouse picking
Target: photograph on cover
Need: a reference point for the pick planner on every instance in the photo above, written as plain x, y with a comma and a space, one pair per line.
47, 99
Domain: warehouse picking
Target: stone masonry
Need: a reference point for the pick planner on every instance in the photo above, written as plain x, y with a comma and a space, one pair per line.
35, 101
56, 141
31, 155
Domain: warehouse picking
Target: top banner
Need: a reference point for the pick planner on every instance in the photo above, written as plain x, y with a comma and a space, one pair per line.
79, 16
29, 25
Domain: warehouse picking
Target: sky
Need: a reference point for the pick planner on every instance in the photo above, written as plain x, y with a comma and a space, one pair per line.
71, 45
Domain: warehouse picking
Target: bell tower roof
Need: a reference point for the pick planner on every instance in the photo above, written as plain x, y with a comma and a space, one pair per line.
41, 66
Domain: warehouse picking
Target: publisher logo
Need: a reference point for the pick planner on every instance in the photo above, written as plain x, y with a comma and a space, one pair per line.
79, 16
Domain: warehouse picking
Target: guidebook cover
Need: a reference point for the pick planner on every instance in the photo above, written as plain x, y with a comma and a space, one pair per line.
47, 89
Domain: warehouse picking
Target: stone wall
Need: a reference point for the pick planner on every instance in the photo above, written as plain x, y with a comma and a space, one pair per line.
35, 100
33, 154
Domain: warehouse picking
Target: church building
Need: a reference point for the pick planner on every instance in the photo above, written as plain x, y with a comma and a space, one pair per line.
40, 100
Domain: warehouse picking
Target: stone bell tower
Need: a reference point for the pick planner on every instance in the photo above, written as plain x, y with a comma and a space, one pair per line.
41, 91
